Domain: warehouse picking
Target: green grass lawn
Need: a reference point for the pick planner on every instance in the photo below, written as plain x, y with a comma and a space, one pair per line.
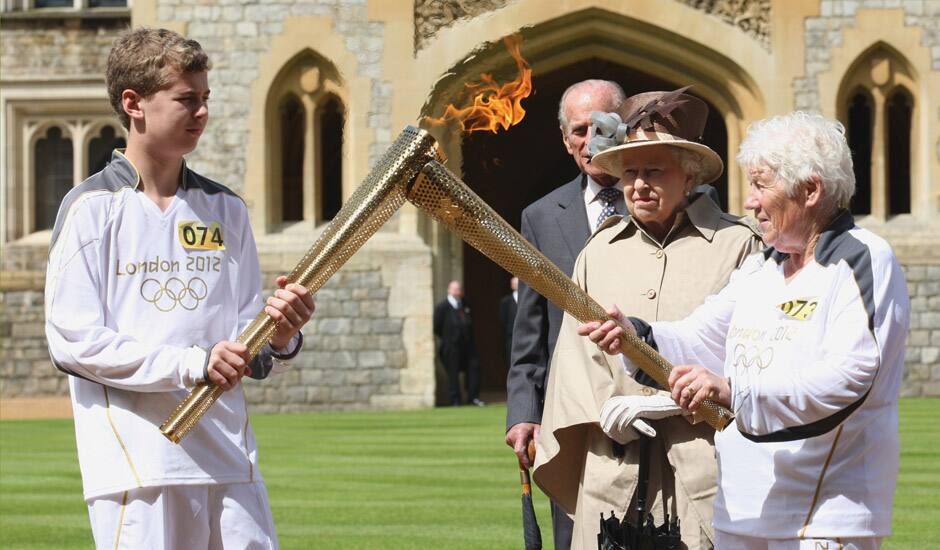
420, 479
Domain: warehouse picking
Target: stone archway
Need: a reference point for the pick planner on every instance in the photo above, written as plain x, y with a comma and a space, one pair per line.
595, 33
591, 43
512, 169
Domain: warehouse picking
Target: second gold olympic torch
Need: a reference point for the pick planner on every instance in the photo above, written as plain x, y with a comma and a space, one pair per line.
448, 200
373, 203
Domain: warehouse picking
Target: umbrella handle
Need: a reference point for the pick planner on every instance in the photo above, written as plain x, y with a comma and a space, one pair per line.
524, 472
524, 478
530, 526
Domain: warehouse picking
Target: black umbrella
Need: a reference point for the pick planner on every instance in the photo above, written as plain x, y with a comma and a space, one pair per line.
641, 534
530, 526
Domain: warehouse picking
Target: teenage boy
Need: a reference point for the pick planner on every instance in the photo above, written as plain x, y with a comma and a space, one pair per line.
152, 274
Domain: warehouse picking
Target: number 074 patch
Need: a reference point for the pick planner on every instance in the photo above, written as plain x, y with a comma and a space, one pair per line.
800, 310
195, 235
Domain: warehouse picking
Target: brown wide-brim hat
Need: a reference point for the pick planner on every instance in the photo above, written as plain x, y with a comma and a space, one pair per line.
653, 118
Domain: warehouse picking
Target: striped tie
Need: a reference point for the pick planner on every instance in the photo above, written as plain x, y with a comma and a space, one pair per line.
607, 196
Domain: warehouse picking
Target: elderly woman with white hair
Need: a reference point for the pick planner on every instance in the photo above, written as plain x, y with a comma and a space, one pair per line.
805, 345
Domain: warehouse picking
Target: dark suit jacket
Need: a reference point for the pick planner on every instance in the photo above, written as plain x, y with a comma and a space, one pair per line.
507, 316
453, 331
557, 225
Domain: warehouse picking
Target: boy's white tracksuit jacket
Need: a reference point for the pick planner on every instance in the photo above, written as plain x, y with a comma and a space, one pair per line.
135, 299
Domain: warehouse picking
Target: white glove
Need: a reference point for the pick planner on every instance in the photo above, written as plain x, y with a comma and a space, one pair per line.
621, 414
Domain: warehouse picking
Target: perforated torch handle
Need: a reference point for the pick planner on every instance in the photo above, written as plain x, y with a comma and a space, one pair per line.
373, 203
444, 197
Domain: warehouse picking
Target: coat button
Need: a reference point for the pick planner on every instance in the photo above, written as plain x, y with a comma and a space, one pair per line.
659, 254
651, 294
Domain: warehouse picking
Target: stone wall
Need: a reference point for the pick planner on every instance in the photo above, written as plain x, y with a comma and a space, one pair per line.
922, 360
354, 356
237, 35
370, 344
37, 49
824, 33
25, 369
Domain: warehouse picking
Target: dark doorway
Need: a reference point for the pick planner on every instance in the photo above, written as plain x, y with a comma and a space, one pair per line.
510, 170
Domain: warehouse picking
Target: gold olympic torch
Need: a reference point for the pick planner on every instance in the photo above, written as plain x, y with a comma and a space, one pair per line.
448, 200
373, 203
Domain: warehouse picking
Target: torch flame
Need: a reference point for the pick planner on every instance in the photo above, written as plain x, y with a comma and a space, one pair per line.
493, 105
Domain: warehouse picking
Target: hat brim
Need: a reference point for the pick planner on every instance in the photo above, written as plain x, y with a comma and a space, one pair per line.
609, 160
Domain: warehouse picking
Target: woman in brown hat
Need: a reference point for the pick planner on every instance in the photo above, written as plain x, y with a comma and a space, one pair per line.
674, 249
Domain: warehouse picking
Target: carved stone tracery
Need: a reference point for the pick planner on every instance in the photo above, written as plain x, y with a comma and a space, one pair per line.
751, 16
433, 15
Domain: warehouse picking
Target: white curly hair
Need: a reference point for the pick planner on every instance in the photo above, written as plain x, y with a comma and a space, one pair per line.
798, 146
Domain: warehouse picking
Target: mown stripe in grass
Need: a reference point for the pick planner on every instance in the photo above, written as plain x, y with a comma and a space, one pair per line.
415, 479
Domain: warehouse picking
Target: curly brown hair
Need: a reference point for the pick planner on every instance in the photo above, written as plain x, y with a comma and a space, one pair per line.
147, 60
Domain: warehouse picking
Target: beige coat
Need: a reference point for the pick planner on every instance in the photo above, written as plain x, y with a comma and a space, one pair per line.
575, 464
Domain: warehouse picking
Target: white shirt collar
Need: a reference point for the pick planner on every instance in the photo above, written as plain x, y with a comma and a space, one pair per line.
515, 295
593, 188
453, 301
594, 208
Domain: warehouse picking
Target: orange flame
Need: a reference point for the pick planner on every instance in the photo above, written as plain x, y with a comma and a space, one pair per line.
493, 105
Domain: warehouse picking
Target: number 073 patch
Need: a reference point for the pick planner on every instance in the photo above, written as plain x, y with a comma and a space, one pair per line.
800, 310
195, 235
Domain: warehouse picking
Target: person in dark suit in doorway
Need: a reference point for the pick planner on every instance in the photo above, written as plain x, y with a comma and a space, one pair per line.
507, 314
456, 346
558, 225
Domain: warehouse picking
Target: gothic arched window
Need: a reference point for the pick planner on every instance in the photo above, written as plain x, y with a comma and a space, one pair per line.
877, 107
54, 175
306, 142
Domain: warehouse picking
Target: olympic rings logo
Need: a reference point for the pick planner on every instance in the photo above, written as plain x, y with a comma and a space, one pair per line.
744, 359
166, 296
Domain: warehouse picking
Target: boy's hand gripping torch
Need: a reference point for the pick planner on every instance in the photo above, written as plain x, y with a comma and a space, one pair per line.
373, 203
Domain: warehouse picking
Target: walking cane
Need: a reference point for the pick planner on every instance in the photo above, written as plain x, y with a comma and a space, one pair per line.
530, 527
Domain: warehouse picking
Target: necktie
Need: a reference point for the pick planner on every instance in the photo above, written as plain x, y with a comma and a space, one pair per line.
607, 196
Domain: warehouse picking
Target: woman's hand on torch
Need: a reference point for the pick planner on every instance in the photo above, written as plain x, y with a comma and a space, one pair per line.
606, 334
290, 307
692, 384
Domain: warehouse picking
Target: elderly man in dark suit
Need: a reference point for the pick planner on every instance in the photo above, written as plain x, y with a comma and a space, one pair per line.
558, 225
457, 347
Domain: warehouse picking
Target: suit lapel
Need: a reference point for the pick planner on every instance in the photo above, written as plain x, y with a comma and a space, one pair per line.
572, 216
